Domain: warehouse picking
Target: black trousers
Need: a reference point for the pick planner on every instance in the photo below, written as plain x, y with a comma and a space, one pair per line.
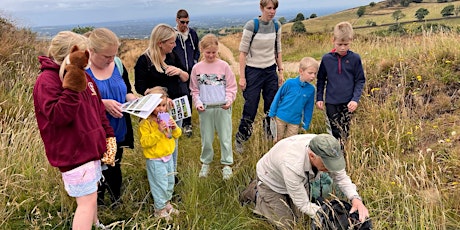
258, 81
112, 180
339, 119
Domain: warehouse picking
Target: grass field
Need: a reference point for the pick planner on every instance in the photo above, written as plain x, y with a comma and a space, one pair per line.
403, 151
380, 14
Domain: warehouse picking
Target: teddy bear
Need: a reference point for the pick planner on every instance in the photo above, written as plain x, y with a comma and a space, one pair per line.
75, 76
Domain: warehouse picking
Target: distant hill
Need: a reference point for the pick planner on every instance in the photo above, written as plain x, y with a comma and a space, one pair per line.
381, 14
140, 29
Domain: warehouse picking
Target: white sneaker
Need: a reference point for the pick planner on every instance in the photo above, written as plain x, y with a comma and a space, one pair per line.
204, 170
227, 172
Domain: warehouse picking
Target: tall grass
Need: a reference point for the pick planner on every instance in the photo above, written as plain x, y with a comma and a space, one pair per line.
402, 152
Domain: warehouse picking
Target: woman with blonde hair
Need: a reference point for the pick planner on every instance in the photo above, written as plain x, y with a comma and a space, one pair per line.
73, 127
159, 66
112, 79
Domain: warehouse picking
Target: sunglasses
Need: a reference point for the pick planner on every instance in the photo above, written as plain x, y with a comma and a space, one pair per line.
184, 22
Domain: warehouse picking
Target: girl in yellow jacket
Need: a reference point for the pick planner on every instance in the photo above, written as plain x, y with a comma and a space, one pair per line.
157, 137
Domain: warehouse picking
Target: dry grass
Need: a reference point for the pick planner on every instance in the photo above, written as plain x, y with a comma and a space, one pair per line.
402, 152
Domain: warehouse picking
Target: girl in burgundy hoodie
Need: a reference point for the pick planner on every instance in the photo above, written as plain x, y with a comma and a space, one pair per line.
73, 126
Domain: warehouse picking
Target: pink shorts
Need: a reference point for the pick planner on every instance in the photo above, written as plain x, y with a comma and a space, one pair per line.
82, 181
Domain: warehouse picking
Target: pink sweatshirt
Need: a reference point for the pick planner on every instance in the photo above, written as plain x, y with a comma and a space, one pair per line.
212, 83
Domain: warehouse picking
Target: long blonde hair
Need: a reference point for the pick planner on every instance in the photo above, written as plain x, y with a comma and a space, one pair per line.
61, 45
161, 33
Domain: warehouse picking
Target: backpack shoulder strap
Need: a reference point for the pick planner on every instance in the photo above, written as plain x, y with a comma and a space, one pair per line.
254, 32
276, 25
276, 37
256, 25
119, 64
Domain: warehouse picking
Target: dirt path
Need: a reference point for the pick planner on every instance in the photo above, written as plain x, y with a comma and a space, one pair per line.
226, 54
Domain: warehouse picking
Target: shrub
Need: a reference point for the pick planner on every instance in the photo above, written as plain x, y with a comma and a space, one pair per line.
298, 27
396, 29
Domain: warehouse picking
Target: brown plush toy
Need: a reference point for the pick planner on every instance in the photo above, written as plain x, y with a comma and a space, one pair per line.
75, 76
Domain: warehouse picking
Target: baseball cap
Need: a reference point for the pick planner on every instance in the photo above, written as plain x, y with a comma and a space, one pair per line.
328, 148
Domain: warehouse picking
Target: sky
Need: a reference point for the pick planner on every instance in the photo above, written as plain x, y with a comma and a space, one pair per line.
33, 13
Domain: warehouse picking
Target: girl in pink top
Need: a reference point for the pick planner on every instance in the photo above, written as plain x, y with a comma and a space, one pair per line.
213, 88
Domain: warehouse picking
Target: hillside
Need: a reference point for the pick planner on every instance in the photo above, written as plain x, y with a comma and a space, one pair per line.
403, 150
381, 14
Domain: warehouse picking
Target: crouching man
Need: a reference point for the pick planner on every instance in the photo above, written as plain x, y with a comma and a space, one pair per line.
284, 174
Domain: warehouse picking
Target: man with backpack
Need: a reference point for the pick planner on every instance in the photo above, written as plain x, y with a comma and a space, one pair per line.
261, 68
286, 170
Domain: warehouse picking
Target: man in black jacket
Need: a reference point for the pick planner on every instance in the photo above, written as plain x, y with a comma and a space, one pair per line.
188, 52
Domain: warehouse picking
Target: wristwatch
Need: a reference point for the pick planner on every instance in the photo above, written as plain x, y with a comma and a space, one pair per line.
356, 197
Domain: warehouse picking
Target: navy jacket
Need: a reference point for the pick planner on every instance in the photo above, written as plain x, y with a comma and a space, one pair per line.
188, 50
342, 77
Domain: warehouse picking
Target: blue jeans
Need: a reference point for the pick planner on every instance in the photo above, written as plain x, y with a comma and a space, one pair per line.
258, 81
161, 181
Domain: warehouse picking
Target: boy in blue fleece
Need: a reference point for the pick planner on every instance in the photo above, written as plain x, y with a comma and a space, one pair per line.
341, 78
295, 100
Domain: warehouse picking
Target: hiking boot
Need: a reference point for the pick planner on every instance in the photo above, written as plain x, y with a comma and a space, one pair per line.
249, 194
239, 147
204, 170
227, 172
163, 214
188, 130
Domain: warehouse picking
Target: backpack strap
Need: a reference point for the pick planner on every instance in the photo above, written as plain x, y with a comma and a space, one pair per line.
119, 65
256, 28
276, 37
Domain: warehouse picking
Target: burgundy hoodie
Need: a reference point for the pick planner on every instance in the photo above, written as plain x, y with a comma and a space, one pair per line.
73, 126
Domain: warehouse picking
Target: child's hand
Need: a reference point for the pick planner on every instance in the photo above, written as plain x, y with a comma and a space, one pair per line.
162, 126
170, 103
352, 105
200, 108
227, 106
171, 124
320, 105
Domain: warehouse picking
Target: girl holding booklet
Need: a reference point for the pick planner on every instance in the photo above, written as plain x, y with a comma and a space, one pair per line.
157, 137
213, 88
